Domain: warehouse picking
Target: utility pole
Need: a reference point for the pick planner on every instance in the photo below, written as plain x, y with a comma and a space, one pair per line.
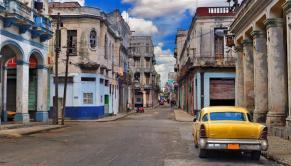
65, 86
56, 80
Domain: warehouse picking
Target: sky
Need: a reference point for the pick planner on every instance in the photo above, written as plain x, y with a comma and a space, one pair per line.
158, 18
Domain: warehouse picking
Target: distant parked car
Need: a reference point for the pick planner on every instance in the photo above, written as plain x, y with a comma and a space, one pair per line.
230, 129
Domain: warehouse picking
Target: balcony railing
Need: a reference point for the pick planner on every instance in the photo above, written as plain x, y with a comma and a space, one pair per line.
148, 86
19, 11
2, 5
42, 27
214, 61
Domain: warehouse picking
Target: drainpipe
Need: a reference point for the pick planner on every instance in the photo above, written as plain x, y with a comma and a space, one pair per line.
202, 90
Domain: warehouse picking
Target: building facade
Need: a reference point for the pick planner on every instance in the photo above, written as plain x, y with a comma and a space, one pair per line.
262, 39
93, 40
205, 66
121, 64
24, 31
144, 86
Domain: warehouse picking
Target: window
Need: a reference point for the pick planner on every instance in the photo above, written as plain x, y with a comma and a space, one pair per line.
219, 35
147, 48
93, 39
205, 118
138, 99
87, 98
101, 81
72, 42
88, 79
232, 116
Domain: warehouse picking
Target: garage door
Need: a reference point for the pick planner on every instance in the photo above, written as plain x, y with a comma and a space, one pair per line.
222, 89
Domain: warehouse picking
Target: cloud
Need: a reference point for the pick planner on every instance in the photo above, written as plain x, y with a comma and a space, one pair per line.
165, 62
159, 8
162, 8
81, 2
140, 26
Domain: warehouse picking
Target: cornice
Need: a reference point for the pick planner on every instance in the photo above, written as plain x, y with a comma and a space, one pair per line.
248, 15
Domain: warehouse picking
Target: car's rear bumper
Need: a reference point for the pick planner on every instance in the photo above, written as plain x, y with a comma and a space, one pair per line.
243, 144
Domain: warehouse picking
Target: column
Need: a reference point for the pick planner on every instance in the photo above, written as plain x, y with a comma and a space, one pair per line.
248, 66
261, 76
239, 85
277, 74
287, 11
144, 96
42, 94
22, 93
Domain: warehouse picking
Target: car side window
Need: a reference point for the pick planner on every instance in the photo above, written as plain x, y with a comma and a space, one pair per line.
205, 118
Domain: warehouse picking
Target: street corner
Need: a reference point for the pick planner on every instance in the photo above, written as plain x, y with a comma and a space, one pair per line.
182, 116
19, 132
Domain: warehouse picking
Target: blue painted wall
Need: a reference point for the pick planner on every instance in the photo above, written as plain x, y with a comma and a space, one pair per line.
83, 113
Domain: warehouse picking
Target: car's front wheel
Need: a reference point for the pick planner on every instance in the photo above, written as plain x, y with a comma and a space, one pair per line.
256, 155
202, 153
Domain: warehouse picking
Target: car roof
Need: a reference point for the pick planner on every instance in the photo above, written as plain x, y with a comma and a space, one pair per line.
224, 109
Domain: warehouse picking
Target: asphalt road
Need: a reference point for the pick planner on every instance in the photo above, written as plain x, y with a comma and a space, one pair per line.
149, 139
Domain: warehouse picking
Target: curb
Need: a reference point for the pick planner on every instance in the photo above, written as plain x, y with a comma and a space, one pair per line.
10, 134
100, 120
273, 158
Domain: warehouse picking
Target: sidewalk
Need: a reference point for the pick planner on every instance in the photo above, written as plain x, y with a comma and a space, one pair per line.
279, 150
26, 130
105, 119
182, 116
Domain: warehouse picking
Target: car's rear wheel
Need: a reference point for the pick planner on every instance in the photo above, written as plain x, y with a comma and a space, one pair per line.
256, 155
202, 153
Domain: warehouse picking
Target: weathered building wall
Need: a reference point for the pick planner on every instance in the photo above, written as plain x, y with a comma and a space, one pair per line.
266, 22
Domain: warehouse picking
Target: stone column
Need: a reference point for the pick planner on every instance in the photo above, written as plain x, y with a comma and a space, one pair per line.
287, 11
260, 76
248, 66
42, 94
22, 92
277, 74
239, 80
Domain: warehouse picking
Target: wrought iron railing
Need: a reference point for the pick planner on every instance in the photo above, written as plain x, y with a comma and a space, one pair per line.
19, 8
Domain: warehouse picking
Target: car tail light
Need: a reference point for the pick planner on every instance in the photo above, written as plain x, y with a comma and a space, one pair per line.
264, 134
202, 132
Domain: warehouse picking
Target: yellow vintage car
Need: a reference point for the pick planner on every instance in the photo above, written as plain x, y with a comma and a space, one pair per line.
230, 129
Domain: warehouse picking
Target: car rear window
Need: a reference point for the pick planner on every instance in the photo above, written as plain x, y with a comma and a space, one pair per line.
236, 116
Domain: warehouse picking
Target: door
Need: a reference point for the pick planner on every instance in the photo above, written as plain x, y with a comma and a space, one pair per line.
11, 94
222, 92
106, 105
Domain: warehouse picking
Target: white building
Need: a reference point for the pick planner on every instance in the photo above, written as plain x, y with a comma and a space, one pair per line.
93, 88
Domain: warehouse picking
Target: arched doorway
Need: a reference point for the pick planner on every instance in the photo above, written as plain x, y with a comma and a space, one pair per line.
11, 54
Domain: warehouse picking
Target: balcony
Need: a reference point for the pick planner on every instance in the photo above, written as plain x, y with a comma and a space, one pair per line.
148, 86
148, 55
2, 5
19, 14
214, 61
42, 28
